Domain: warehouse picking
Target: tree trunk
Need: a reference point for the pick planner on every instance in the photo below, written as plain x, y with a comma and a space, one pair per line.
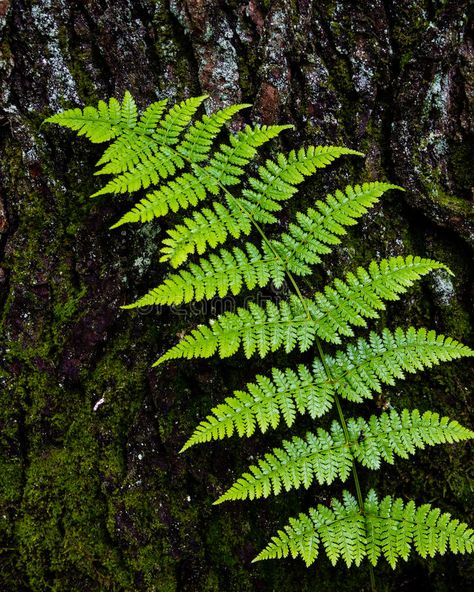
93, 494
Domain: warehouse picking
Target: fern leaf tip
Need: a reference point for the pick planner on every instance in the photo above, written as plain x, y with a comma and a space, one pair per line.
188, 444
160, 360
102, 191
129, 306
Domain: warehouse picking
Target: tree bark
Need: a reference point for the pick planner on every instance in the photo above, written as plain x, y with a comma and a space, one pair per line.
94, 495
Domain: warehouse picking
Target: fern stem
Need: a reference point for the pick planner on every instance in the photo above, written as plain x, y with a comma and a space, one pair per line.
372, 578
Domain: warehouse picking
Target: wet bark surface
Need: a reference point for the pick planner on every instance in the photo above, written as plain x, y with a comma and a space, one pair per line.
93, 493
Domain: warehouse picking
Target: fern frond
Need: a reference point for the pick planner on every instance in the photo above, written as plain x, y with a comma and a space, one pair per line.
171, 150
355, 374
326, 456
389, 528
101, 123
151, 167
296, 323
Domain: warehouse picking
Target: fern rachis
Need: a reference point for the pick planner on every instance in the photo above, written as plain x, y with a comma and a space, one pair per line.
170, 151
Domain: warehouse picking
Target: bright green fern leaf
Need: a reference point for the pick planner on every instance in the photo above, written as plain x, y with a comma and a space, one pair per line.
206, 228
181, 192
220, 273
102, 123
153, 167
297, 323
326, 456
173, 153
318, 230
265, 403
323, 457
389, 528
199, 138
176, 120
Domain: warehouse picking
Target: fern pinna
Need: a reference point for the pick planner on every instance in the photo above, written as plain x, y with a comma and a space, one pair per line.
176, 163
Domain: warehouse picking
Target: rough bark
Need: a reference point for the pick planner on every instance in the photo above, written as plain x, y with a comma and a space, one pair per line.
93, 494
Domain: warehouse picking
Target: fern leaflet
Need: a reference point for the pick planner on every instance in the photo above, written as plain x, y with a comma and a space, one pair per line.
319, 229
326, 456
206, 227
389, 528
227, 271
288, 324
198, 140
101, 123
